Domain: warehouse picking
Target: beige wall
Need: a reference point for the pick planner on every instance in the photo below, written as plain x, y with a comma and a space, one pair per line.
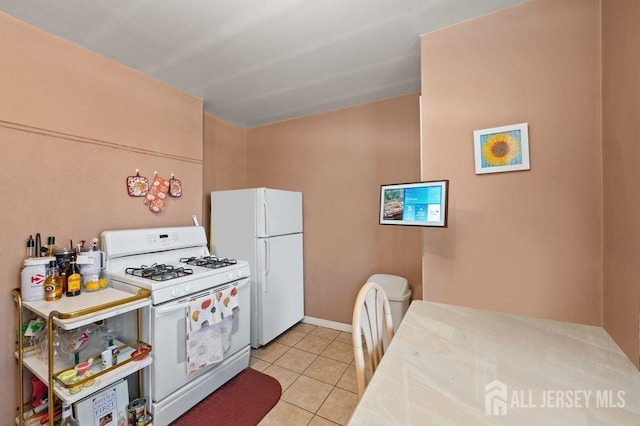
339, 160
621, 151
224, 161
526, 242
73, 126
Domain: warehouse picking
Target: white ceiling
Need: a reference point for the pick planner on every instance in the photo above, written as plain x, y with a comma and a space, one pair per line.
257, 62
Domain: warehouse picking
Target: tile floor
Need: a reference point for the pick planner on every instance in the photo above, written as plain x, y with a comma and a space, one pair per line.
314, 366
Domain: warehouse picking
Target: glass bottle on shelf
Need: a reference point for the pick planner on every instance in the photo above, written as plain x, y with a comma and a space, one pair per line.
112, 328
31, 247
53, 283
74, 280
67, 416
51, 242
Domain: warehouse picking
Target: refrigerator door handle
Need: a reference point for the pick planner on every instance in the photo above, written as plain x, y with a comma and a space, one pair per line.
266, 218
267, 259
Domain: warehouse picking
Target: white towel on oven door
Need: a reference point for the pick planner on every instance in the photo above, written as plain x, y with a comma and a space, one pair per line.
227, 302
204, 334
209, 326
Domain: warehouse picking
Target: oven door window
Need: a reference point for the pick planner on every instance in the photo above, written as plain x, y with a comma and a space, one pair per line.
168, 329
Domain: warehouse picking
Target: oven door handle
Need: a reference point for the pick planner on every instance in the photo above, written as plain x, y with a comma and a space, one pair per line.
171, 308
184, 304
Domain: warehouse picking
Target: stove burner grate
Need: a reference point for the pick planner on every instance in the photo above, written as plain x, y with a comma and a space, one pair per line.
211, 262
160, 272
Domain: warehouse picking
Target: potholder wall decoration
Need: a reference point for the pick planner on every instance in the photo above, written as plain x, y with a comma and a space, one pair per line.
157, 195
175, 187
137, 186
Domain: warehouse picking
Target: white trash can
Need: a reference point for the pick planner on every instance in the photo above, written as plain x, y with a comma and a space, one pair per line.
398, 292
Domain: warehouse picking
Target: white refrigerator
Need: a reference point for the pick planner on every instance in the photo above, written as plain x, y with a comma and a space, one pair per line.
264, 227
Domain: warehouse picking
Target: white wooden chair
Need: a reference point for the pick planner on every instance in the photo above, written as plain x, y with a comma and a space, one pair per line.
371, 320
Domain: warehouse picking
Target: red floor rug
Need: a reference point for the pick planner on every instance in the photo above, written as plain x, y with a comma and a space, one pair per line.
243, 400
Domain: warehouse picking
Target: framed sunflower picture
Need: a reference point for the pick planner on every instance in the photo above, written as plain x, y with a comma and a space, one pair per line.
502, 149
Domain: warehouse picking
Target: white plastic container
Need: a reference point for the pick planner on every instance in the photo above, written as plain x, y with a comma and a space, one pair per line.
398, 292
33, 274
90, 264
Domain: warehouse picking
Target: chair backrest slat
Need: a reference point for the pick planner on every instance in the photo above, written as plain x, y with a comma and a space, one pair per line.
372, 323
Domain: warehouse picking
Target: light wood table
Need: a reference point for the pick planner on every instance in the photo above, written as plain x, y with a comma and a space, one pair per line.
451, 365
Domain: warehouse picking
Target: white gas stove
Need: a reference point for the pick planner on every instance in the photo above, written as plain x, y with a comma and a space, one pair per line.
175, 265
171, 262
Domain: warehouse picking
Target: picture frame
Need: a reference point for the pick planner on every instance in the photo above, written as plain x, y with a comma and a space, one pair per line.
502, 149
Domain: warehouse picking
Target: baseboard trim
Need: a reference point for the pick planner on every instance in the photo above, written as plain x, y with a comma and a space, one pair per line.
328, 324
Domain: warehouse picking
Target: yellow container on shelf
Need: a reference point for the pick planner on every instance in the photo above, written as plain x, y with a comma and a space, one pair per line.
91, 263
68, 377
97, 284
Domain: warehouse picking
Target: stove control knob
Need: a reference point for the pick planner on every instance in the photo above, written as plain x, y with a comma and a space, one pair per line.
239, 273
188, 288
174, 292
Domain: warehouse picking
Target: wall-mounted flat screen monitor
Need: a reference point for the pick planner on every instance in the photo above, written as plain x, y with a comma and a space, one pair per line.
415, 203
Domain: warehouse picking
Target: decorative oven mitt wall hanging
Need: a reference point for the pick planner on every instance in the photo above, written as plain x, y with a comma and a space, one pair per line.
157, 195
